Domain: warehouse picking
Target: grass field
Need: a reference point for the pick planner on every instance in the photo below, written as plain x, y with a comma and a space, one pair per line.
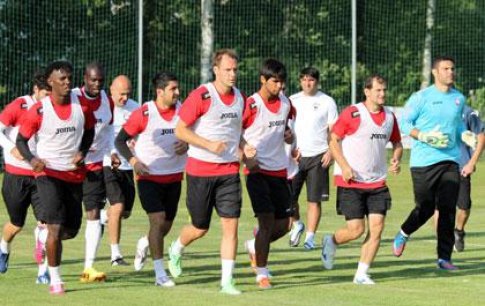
299, 277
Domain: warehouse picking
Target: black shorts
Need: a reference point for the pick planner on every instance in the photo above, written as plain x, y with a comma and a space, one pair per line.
464, 197
61, 202
205, 193
94, 190
269, 194
120, 187
356, 203
19, 192
316, 178
158, 197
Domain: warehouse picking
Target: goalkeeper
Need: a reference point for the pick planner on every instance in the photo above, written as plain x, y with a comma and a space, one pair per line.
433, 117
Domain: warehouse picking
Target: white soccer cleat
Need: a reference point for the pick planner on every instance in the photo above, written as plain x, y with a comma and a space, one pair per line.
141, 254
164, 281
328, 252
363, 280
297, 230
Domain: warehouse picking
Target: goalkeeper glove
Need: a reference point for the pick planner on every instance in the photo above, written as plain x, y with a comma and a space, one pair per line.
470, 139
435, 139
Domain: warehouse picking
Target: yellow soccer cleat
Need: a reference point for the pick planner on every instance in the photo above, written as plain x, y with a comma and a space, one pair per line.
91, 275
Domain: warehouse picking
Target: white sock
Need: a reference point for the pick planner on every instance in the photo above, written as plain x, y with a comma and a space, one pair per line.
250, 246
142, 242
159, 268
178, 247
309, 236
42, 268
55, 274
103, 216
115, 251
261, 273
4, 247
92, 237
42, 235
227, 269
362, 269
404, 234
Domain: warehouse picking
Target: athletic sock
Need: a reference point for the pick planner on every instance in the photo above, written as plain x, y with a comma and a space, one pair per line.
159, 268
4, 246
55, 274
227, 269
92, 237
178, 247
42, 268
404, 234
310, 236
261, 272
250, 246
362, 269
115, 251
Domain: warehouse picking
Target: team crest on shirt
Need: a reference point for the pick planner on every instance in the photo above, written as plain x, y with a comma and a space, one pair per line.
252, 105
355, 114
457, 101
40, 110
146, 112
315, 106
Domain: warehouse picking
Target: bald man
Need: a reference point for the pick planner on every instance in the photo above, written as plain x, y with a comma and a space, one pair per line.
118, 173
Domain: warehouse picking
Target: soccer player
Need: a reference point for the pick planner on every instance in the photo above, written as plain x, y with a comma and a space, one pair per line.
64, 129
317, 112
94, 189
358, 144
210, 122
19, 189
159, 161
118, 173
468, 161
433, 117
265, 128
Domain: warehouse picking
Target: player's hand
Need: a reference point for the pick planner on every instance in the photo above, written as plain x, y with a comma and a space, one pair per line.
395, 166
327, 159
347, 174
249, 151
78, 160
131, 144
180, 147
467, 170
252, 165
217, 147
289, 136
37, 164
138, 167
115, 161
16, 153
296, 155
434, 138
470, 139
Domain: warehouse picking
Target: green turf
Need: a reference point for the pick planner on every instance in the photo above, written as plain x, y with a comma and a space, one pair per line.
299, 278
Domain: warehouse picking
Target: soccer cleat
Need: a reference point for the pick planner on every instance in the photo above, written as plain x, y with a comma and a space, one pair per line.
57, 289
119, 261
164, 281
459, 240
4, 262
363, 280
252, 256
297, 230
309, 245
174, 263
141, 255
399, 244
446, 265
264, 283
91, 275
328, 252
230, 288
44, 278
39, 253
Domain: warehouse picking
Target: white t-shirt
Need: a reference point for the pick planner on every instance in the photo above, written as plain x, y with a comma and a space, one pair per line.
313, 115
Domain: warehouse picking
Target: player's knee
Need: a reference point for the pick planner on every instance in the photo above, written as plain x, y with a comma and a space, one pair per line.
356, 231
